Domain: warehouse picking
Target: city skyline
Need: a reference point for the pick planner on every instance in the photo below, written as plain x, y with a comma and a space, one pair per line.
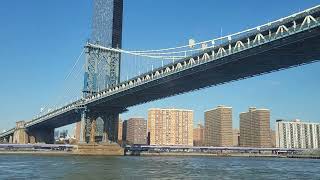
165, 124
141, 131
196, 123
274, 86
235, 118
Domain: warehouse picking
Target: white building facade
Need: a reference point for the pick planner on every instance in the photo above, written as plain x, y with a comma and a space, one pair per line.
297, 134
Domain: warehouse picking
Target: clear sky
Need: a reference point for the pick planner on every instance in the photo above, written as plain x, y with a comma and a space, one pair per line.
40, 40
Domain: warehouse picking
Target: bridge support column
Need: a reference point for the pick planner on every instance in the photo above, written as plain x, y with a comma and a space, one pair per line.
110, 129
32, 139
83, 127
10, 139
93, 131
20, 135
99, 125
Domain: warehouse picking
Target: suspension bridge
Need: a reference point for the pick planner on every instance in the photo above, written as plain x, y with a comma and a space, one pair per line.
285, 43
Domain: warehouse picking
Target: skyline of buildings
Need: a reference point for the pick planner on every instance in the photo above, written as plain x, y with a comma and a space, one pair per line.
254, 129
162, 127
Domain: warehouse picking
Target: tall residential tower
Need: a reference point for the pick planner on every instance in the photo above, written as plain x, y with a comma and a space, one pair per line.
218, 127
255, 128
170, 126
297, 134
137, 131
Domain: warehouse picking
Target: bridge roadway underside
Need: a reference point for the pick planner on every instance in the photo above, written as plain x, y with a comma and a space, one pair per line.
291, 51
64, 119
44, 131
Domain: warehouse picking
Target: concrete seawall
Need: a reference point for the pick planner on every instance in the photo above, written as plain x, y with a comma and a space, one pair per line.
80, 149
98, 149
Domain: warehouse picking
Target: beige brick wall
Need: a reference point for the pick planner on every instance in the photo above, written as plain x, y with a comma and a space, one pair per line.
218, 127
137, 131
170, 127
255, 128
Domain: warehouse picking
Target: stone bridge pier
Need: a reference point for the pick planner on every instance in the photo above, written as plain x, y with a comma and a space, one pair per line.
22, 135
99, 126
99, 132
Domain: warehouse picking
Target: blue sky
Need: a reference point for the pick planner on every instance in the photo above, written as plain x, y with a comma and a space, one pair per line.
40, 40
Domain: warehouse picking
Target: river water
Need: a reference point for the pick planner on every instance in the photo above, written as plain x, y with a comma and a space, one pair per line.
133, 167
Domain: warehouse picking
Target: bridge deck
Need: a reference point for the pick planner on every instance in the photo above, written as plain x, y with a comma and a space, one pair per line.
294, 50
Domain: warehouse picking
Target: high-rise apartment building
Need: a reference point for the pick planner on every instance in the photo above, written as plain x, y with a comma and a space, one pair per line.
218, 127
170, 126
255, 128
198, 135
136, 131
297, 134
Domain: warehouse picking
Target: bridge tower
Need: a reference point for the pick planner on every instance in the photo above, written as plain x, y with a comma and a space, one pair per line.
102, 68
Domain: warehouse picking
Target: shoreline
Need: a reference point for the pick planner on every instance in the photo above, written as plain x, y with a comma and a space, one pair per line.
248, 155
210, 154
37, 152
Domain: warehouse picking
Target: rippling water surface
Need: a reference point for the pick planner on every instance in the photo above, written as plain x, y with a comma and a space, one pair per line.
129, 167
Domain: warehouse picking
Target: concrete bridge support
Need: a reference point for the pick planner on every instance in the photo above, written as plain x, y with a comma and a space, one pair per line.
99, 133
93, 128
20, 135
99, 126
10, 140
110, 129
